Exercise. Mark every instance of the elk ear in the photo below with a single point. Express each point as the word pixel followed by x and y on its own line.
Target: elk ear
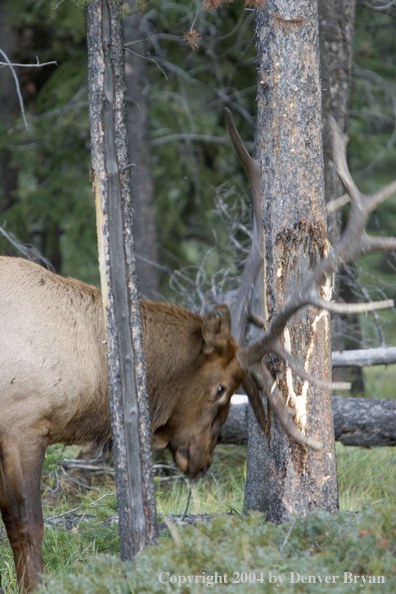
pixel 216 328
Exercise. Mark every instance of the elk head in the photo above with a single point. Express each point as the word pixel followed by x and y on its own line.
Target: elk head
pixel 190 390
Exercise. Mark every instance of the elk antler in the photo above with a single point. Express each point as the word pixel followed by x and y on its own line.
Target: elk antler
pixel 354 243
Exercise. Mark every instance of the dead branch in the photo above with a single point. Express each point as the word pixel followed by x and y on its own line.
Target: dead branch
pixel 29 251
pixel 379 8
pixel 362 357
pixel 17 86
pixel 362 422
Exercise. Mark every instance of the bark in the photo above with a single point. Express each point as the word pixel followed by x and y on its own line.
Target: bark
pixel 137 102
pixel 289 140
pixel 365 422
pixel 362 422
pixel 111 181
pixel 9 110
pixel 257 495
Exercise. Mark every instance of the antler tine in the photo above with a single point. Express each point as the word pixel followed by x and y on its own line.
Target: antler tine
pixel 299 370
pixel 268 385
pixel 249 164
pixel 382 194
pixel 355 241
pixel 253 392
pixel 278 348
pixel 255 352
pixel 375 199
pixel 340 142
pixel 365 203
pixel 255 257
pixel 350 308
pixel 378 244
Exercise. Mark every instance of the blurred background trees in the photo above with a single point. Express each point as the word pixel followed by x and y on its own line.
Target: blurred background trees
pixel 192 63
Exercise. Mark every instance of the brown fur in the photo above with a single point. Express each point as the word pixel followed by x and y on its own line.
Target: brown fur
pixel 53 386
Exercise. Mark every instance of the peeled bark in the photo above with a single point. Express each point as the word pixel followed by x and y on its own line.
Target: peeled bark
pixel 289 140
pixel 126 369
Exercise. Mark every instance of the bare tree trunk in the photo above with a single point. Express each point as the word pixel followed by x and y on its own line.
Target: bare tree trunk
pixel 257 495
pixel 290 152
pixel 336 27
pixel 9 110
pixel 126 370
pixel 137 83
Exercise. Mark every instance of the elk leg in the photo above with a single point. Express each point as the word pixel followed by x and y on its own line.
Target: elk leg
pixel 20 505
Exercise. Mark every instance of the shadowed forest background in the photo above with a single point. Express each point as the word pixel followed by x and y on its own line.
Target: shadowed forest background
pixel 46 198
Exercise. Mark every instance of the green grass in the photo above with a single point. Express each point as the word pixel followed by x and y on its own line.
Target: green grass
pixel 366 477
pixel 221 490
pixel 380 381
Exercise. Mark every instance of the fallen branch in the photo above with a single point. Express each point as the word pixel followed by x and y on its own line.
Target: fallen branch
pixel 363 422
pixel 362 357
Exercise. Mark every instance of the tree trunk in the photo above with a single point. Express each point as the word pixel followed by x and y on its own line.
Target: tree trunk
pixel 137 109
pixel 289 140
pixel 111 182
pixel 361 422
pixel 336 27
pixel 257 494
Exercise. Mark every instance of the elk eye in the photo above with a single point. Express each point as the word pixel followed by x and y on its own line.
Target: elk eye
pixel 220 392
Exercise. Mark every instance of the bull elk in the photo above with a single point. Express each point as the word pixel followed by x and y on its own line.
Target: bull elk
pixel 53 380
pixel 53 387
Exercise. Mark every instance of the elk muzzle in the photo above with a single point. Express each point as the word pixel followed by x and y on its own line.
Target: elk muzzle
pixel 192 459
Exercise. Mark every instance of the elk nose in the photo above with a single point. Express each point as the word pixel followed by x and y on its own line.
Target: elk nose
pixel 203 471
pixel 182 458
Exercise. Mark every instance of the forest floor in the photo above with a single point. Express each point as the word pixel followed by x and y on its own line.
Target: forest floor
pixel 81 531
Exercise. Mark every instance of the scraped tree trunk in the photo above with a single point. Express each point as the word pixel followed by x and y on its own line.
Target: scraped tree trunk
pixel 137 110
pixel 111 182
pixel 289 140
